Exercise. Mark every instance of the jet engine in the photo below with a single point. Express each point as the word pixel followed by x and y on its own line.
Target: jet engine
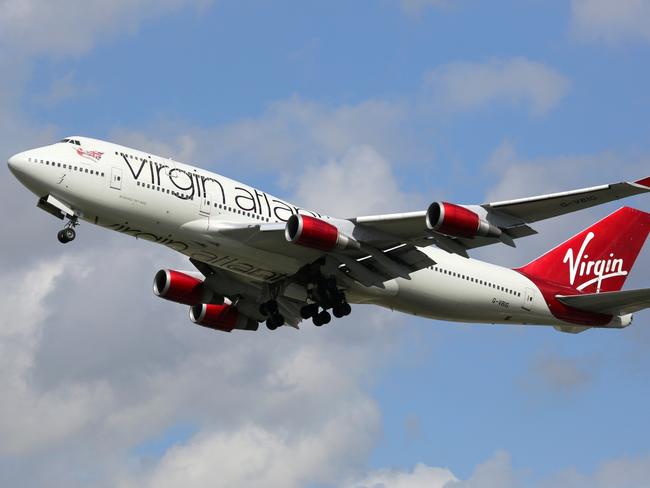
pixel 456 221
pixel 180 287
pixel 221 317
pixel 316 233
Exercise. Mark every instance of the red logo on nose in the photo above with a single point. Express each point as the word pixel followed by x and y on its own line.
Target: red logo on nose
pixel 94 155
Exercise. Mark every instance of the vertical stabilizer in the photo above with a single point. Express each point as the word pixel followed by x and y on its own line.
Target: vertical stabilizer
pixel 599 258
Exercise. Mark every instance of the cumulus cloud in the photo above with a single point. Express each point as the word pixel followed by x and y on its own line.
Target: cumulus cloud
pixel 360 182
pixel 256 456
pixel 30 419
pixel 422 475
pixel 288 135
pixel 497 471
pixel 517 81
pixel 611 21
pixel 72 27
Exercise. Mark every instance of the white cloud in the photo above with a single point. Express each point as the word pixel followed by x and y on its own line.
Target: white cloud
pixel 288 135
pixel 30 419
pixel 611 21
pixel 621 473
pixel 360 182
pixel 516 81
pixel 499 472
pixel 257 456
pixel 421 476
pixel 72 27
pixel 496 472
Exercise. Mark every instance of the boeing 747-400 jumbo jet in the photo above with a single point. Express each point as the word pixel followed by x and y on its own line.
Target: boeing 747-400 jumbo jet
pixel 260 258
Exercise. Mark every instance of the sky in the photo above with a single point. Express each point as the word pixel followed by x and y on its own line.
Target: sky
pixel 347 108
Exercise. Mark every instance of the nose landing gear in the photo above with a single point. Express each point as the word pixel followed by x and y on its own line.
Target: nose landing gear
pixel 68 233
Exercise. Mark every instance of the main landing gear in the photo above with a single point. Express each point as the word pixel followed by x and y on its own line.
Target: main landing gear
pixel 275 318
pixel 68 233
pixel 326 296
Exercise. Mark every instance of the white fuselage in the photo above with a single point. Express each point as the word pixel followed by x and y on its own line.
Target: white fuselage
pixel 164 201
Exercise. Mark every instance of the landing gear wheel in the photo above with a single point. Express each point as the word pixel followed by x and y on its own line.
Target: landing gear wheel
pixel 347 309
pixel 270 324
pixel 275 321
pixel 324 317
pixel 66 235
pixel 309 311
pixel 269 308
pixel 338 311
pixel 278 320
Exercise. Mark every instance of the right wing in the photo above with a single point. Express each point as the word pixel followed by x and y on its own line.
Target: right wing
pixel 542 207
pixel 511 216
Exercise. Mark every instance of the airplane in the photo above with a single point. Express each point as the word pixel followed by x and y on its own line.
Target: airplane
pixel 258 258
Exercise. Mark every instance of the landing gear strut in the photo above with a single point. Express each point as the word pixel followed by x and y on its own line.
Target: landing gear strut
pixel 68 233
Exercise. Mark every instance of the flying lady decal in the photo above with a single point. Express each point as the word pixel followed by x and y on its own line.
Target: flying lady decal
pixel 92 155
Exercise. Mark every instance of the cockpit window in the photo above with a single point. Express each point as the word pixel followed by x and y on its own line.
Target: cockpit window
pixel 71 141
pixel 64 140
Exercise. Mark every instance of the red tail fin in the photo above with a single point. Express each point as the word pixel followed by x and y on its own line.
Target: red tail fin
pixel 598 258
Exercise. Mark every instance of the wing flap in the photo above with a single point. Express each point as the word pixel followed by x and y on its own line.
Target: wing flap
pixel 612 302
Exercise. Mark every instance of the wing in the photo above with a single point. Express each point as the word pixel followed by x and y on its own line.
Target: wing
pixel 543 207
pixel 511 216
pixel 378 258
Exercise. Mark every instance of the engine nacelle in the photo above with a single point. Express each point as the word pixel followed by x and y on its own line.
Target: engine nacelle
pixel 221 317
pixel 316 233
pixel 454 220
pixel 180 288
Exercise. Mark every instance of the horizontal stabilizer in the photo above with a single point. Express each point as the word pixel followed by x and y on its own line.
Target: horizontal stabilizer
pixel 611 303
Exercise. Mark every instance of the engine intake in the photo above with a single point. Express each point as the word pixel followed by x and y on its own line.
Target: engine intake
pixel 179 287
pixel 316 233
pixel 454 220
pixel 225 318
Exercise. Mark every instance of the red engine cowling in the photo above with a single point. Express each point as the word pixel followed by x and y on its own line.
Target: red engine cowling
pixel 221 317
pixel 316 233
pixel 454 220
pixel 180 287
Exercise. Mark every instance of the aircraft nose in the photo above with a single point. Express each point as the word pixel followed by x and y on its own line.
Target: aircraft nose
pixel 14 163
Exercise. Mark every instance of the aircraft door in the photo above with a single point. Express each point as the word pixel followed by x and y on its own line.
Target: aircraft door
pixel 116 178
pixel 528 300
pixel 206 205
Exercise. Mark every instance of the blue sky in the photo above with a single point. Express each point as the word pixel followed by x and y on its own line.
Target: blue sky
pixel 350 107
